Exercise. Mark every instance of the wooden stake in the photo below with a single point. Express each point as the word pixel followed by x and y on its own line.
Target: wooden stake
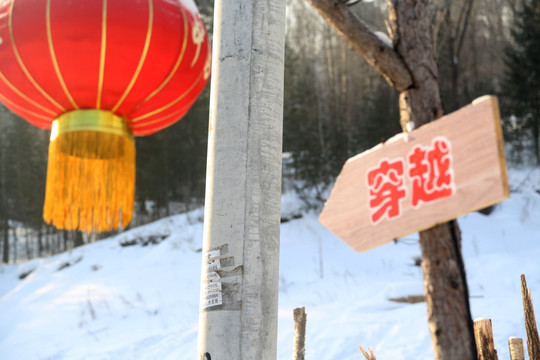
pixel 483 334
pixel 299 348
pixel 516 348
pixel 368 356
pixel 533 341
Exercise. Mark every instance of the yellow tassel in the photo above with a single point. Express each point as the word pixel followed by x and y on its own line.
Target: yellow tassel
pixel 91 172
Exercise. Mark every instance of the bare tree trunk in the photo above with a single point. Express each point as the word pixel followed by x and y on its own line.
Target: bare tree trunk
pixel 79 241
pixel 41 247
pixel 536 135
pixel 27 248
pixel 46 240
pixel 166 185
pixel 3 211
pixel 410 66
pixel 65 239
pixel 5 245
pixel 447 294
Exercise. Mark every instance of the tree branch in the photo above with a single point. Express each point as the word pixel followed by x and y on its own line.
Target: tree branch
pixel 363 41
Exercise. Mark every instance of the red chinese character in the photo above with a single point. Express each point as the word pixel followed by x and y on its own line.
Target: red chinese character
pixel 386 189
pixel 431 173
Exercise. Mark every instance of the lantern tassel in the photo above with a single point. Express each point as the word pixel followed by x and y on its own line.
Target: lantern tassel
pixel 91 172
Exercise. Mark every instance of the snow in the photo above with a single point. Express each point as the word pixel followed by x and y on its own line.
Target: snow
pixel 108 301
pixel 384 38
pixel 190 6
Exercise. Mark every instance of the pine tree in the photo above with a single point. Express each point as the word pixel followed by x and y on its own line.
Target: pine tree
pixel 522 82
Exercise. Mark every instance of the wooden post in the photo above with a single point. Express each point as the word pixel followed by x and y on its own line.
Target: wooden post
pixel 516 348
pixel 367 356
pixel 533 342
pixel 240 262
pixel 483 334
pixel 299 347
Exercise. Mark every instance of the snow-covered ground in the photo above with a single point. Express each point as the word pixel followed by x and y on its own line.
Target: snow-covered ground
pixel 108 301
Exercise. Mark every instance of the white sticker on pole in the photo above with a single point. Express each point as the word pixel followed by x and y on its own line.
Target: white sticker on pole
pixel 212 254
pixel 212 275
pixel 213 299
pixel 214 265
pixel 212 286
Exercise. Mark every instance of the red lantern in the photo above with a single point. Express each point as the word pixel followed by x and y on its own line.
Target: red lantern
pixel 98 73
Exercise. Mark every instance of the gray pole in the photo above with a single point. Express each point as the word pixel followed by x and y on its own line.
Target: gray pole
pixel 240 267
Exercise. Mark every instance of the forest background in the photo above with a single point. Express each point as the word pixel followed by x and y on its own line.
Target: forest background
pixel 336 106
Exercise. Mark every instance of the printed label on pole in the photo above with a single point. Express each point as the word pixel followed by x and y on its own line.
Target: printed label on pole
pixel 212 275
pixel 212 254
pixel 212 286
pixel 213 299
pixel 214 265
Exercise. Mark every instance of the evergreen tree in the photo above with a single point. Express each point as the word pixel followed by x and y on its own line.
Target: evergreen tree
pixel 304 132
pixel 4 214
pixel 171 164
pixel 522 82
pixel 335 105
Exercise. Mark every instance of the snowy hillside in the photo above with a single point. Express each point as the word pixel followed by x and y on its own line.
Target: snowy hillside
pixel 121 299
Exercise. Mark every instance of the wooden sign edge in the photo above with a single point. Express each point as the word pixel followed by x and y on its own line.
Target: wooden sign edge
pixel 500 142
pixel 502 166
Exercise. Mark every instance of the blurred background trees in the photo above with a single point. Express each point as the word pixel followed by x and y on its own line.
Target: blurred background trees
pixel 522 83
pixel 336 106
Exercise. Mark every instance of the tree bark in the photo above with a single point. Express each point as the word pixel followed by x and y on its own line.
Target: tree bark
pixel 445 283
pixel 361 40
pixel 4 225
pixel 5 242
pixel 447 294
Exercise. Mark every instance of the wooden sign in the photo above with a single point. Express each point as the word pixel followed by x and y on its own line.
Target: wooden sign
pixel 413 181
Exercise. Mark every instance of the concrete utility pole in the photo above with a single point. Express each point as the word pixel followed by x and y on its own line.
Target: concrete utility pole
pixel 240 267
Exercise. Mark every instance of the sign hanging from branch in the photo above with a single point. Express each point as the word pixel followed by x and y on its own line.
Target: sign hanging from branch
pixel 414 181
